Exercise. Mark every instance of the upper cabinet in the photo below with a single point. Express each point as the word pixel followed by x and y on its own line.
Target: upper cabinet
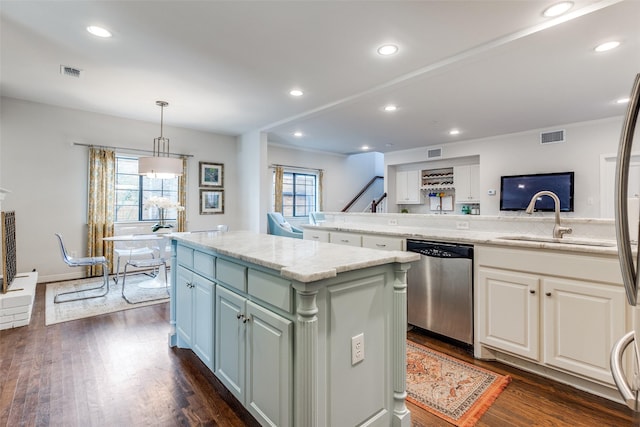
pixel 408 187
pixel 466 180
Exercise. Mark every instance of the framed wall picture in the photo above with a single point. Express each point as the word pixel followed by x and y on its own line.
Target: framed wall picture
pixel 211 201
pixel 211 174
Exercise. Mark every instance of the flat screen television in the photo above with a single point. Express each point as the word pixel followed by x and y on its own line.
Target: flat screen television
pixel 516 191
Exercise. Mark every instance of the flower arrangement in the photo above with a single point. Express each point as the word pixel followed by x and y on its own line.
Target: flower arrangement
pixel 162 204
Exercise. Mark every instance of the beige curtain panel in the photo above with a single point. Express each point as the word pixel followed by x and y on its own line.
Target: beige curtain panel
pixel 182 197
pixel 279 171
pixel 102 183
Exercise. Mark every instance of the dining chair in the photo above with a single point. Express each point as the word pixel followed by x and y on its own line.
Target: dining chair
pixel 83 262
pixel 130 253
pixel 154 263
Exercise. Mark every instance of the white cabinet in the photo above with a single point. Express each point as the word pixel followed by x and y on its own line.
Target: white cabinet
pixel 508 311
pixel 195 313
pixel 466 180
pixel 527 306
pixel 317 235
pixel 254 357
pixel 408 187
pixel 349 239
pixel 582 321
pixel 383 242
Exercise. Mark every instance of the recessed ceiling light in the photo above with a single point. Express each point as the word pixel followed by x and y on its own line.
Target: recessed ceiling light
pixel 298 134
pixel 365 147
pixel 390 107
pixel 454 132
pixel 622 101
pixel 557 9
pixel 99 31
pixel 296 92
pixel 607 46
pixel 387 49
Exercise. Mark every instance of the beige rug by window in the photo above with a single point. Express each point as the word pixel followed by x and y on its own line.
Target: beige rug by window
pixel 456 391
pixel 137 290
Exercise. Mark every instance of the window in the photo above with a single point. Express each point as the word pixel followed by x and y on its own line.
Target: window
pixel 132 190
pixel 299 191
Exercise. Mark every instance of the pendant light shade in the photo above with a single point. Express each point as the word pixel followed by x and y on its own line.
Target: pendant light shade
pixel 161 165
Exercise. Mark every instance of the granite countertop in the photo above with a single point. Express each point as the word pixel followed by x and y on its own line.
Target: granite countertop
pixel 568 243
pixel 302 260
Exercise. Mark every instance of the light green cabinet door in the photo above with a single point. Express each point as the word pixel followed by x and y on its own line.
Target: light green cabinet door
pixel 269 366
pixel 184 307
pixel 203 317
pixel 230 341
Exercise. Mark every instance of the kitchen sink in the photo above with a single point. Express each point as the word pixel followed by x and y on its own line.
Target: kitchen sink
pixel 564 240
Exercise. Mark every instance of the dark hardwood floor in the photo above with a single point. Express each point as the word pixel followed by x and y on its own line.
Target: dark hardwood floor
pixel 117 370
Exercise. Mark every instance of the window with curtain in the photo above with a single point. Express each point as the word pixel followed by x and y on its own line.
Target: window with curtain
pixel 299 193
pixel 132 190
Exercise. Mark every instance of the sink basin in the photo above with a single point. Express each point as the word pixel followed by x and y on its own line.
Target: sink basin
pixel 564 240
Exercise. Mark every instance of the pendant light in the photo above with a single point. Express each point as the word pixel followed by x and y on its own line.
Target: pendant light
pixel 161 165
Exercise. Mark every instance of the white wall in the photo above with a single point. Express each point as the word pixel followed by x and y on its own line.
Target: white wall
pixel 48 175
pixel 522 153
pixel 344 176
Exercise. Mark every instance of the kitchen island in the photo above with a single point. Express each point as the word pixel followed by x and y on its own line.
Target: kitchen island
pixel 302 333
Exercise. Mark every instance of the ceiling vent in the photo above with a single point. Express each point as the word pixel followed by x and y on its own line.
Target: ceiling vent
pixel 70 71
pixel 552 137
pixel 434 153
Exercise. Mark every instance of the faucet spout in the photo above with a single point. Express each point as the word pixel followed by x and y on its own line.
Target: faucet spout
pixel 558 230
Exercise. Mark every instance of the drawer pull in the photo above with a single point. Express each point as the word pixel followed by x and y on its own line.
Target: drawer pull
pixel 548 294
pixel 532 291
pixel 381 245
pixel 345 240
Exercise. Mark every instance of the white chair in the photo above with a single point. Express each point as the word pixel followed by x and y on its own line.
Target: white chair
pixel 130 253
pixel 83 262
pixel 154 263
pixel 130 250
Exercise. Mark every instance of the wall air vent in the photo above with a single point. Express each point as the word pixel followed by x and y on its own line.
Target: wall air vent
pixel 552 137
pixel 70 71
pixel 434 153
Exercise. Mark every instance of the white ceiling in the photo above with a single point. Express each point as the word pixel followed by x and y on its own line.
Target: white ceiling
pixel 485 67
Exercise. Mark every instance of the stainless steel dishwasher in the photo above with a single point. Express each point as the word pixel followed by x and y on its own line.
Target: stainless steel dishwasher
pixel 440 289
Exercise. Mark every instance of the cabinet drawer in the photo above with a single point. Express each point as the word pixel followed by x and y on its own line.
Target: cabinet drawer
pixel 204 264
pixel 231 274
pixel 185 256
pixel 348 239
pixel 384 243
pixel 270 289
pixel 317 235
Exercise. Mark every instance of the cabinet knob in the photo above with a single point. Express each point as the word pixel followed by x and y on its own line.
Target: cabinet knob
pixel 239 315
pixel 532 291
pixel 548 294
pixel 246 319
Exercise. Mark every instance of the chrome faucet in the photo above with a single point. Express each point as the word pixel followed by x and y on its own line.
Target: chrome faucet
pixel 558 231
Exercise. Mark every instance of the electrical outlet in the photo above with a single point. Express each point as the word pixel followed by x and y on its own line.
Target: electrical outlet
pixel 462 225
pixel 357 349
pixel 393 222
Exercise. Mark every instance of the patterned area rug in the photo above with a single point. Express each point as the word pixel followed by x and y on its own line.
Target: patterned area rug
pixel 139 287
pixel 456 391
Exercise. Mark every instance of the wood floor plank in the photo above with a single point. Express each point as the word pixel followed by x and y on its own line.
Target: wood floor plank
pixel 117 369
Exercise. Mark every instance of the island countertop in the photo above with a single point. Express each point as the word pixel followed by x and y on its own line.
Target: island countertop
pixel 302 260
